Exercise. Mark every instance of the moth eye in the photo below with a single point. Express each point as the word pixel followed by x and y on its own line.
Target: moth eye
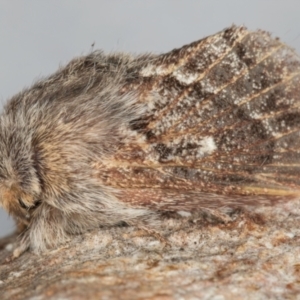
pixel 22 204
pixel 37 203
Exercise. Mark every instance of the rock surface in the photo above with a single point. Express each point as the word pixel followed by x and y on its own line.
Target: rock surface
pixel 239 254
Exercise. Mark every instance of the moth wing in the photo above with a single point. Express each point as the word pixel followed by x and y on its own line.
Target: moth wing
pixel 221 125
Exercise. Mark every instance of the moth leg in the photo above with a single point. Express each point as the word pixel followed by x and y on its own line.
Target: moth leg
pixel 22 246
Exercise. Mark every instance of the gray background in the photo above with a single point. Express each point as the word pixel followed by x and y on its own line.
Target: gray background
pixel 37 36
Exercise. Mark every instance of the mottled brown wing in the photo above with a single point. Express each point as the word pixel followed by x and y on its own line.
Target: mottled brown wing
pixel 222 125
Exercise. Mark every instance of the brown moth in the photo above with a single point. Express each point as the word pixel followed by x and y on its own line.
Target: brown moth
pixel 121 138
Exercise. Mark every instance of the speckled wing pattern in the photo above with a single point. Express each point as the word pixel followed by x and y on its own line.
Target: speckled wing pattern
pixel 221 126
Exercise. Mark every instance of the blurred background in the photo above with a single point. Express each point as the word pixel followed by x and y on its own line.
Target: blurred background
pixel 37 36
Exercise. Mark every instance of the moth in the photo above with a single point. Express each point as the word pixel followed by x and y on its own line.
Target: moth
pixel 121 138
